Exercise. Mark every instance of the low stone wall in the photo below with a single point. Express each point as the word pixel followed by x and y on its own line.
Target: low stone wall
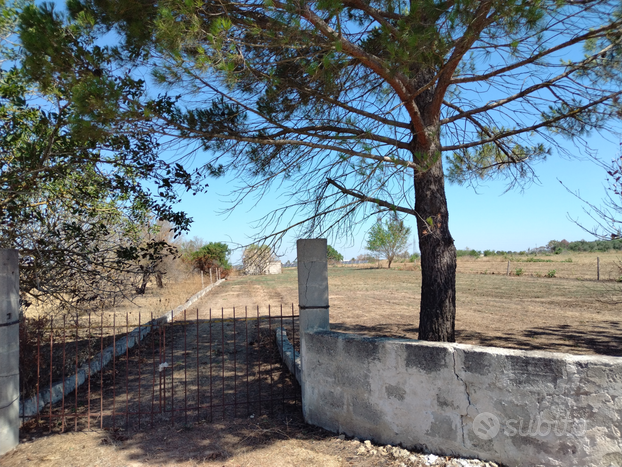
pixel 290 357
pixel 520 408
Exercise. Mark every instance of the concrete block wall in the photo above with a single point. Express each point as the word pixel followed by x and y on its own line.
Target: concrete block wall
pixel 519 408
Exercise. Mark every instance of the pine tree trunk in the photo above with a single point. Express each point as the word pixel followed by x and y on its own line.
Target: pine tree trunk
pixel 158 278
pixel 438 253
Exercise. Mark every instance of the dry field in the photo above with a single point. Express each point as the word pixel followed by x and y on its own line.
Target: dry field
pixel 525 312
pixel 567 265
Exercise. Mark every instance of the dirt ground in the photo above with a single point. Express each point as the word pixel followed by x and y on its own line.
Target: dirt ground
pixel 262 442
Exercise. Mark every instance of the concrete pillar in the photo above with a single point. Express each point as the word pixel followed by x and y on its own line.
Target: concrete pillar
pixel 9 350
pixel 312 299
pixel 313 285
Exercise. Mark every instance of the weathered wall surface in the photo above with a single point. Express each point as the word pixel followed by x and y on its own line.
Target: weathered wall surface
pixel 521 408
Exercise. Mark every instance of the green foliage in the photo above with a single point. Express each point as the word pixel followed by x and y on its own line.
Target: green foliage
pixel 533 259
pixel 414 257
pixel 468 252
pixel 390 238
pixel 551 273
pixel 519 272
pixel 585 246
pixel 212 255
pixel 78 207
pixel 332 254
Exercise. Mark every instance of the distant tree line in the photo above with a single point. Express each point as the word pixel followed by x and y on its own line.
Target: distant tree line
pixel 597 245
pixel 554 246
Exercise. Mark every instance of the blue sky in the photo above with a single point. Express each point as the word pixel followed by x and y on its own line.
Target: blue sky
pixel 486 218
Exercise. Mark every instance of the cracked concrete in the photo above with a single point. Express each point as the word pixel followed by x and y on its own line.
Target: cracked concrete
pixel 513 407
pixel 468 396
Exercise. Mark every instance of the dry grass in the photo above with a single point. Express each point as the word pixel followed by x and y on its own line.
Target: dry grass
pixel 154 302
pixel 567 265
pixel 527 312
pixel 262 442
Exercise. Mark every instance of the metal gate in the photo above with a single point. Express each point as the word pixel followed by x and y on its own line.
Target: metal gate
pixel 219 365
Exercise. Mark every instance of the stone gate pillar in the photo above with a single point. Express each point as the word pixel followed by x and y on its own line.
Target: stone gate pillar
pixel 313 285
pixel 9 350
pixel 312 297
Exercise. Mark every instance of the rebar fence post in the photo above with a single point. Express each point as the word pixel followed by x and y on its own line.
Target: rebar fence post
pixel 9 350
pixel 312 294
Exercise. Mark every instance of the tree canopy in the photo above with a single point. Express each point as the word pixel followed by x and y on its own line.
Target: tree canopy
pixel 389 238
pixel 78 205
pixel 332 254
pixel 212 255
pixel 358 107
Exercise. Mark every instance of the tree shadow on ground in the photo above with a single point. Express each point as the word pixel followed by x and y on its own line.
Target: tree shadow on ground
pixel 604 338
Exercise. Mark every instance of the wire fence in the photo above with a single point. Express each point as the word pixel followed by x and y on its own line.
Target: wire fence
pixel 81 372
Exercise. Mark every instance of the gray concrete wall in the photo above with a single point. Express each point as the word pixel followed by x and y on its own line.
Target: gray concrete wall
pixel 520 408
pixel 9 350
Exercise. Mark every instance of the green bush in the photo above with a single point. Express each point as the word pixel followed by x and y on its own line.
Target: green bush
pixel 468 252
pixel 519 272
pixel 414 257
pixel 212 255
pixel 551 273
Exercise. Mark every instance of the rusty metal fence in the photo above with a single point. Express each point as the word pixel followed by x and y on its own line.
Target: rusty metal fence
pixel 213 366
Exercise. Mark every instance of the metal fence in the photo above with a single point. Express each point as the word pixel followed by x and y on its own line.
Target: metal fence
pixel 202 366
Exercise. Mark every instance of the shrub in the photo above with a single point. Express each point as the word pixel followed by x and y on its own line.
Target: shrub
pixel 414 257
pixel 519 272
pixel 551 273
pixel 468 252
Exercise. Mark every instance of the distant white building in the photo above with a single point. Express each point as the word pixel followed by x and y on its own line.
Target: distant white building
pixel 272 267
